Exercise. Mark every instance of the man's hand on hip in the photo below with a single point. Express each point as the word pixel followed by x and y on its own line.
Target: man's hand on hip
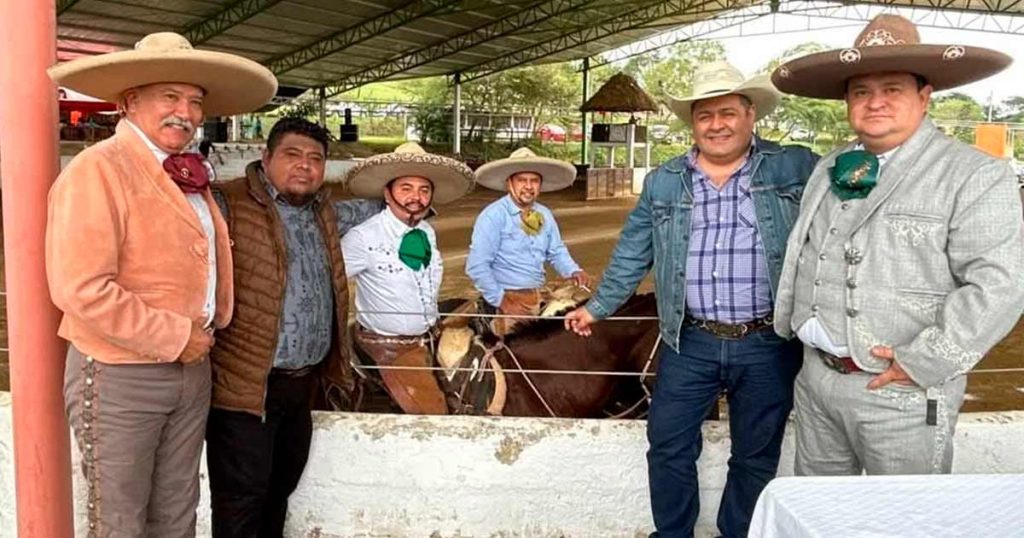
pixel 200 340
pixel 578 321
pixel 893 374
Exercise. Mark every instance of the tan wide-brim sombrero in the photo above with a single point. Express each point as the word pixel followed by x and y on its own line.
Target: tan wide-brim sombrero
pixel 232 84
pixel 555 175
pixel 716 79
pixel 452 179
pixel 888 44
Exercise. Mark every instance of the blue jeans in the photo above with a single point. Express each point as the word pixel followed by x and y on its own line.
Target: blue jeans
pixel 757 373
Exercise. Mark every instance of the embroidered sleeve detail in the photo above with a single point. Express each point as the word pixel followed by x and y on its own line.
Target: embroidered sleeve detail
pixel 912 232
pixel 920 304
pixel 949 351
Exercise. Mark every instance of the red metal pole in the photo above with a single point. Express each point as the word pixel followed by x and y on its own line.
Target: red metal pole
pixel 28 165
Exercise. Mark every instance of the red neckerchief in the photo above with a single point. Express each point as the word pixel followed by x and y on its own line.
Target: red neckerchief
pixel 188 171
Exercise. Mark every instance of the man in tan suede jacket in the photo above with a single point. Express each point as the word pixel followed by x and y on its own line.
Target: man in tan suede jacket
pixel 139 260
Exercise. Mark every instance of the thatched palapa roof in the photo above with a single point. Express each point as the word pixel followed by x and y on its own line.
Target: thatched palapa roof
pixel 620 94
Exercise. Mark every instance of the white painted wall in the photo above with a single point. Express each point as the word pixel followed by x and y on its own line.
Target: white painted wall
pixel 456 477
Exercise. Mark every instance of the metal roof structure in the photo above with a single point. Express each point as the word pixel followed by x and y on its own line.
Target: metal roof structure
pixel 342 44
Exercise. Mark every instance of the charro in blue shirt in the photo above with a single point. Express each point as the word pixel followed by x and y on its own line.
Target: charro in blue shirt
pixel 503 257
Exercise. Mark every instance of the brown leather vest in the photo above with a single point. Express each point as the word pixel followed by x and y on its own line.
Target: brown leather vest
pixel 244 351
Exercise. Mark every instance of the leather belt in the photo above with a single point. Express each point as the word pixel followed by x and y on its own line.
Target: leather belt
pixel 293 372
pixel 728 331
pixel 843 365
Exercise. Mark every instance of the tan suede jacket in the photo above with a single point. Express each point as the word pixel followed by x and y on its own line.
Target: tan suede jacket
pixel 126 256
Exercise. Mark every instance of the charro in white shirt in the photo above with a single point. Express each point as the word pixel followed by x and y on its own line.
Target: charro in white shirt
pixel 387 290
pixel 813 332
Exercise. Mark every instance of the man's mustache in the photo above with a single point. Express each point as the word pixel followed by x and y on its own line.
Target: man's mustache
pixel 178 122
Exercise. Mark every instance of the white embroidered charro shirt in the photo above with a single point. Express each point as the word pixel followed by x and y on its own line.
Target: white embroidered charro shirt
pixel 391 298
pixel 813 332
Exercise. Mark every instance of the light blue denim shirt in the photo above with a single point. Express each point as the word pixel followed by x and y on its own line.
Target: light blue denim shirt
pixel 657 232
pixel 502 257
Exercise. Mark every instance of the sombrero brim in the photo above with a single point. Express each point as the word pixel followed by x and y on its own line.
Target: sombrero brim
pixel 823 75
pixel 452 180
pixel 233 84
pixel 556 175
pixel 758 89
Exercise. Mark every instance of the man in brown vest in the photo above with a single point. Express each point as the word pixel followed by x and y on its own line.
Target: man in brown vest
pixel 288 339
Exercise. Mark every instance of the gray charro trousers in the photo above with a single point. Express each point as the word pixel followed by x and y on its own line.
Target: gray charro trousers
pixel 139 428
pixel 842 428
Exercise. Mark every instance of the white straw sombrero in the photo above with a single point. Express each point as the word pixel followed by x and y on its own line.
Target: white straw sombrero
pixel 716 79
pixel 233 84
pixel 452 179
pixel 555 174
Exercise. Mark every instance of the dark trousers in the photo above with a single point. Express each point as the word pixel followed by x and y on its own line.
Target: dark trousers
pixel 757 373
pixel 255 464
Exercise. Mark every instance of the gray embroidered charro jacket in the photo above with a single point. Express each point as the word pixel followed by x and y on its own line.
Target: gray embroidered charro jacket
pixel 931 262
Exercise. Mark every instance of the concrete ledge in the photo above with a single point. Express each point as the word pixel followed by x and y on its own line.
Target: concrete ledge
pixel 455 477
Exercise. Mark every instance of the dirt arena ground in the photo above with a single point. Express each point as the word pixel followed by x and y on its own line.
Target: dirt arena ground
pixel 591 229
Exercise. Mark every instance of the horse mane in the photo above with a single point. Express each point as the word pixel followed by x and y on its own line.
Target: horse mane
pixel 542 328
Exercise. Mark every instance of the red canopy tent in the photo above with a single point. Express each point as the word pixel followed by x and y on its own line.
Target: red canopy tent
pixel 71 100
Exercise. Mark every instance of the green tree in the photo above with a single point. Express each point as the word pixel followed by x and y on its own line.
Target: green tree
pixel 1011 110
pixel 956 111
pixel 822 123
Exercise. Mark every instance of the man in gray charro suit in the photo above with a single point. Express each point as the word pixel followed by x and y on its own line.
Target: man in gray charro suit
pixel 905 265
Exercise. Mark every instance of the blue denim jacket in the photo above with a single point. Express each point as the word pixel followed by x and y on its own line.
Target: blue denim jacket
pixel 657 231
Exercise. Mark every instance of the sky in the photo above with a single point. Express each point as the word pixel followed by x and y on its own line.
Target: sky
pixel 751 51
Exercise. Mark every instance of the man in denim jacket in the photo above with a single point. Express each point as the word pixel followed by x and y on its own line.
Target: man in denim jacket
pixel 713 226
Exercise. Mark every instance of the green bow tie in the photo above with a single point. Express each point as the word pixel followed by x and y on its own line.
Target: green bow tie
pixel 854 175
pixel 531 221
pixel 415 249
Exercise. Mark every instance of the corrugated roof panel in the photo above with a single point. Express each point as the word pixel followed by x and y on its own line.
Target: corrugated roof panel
pixel 281 32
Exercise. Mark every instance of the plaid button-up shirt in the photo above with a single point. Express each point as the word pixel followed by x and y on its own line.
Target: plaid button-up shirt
pixel 726 272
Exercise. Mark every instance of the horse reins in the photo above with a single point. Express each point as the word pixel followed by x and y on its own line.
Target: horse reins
pixel 643 374
pixel 501 345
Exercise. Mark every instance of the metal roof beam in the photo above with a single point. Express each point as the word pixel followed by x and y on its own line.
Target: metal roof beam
pixel 987 8
pixel 64 5
pixel 232 14
pixel 362 31
pixel 530 15
pixel 623 22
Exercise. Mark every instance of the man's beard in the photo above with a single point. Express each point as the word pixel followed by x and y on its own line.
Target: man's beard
pixel 520 199
pixel 415 215
pixel 298 199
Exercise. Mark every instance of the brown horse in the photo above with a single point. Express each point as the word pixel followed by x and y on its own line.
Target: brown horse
pixel 544 344
pixel 614 346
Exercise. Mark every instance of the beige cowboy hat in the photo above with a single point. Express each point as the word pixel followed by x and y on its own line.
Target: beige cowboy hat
pixel 555 174
pixel 889 43
pixel 716 79
pixel 452 180
pixel 232 84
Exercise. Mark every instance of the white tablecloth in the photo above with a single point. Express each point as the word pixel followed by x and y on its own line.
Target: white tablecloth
pixel 936 506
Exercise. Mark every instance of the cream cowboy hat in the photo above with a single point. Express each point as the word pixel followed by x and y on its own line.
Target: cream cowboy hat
pixel 555 174
pixel 452 180
pixel 233 84
pixel 889 43
pixel 716 79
